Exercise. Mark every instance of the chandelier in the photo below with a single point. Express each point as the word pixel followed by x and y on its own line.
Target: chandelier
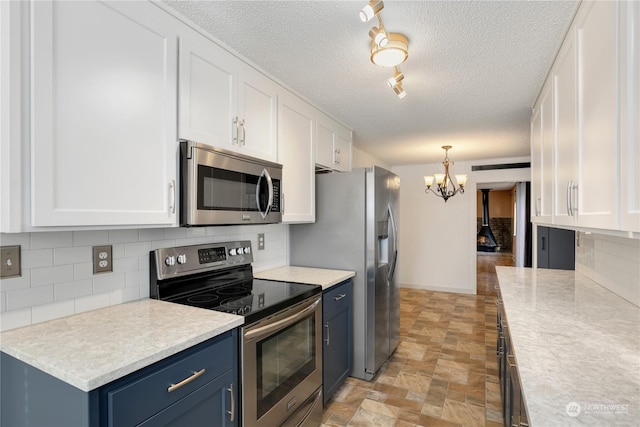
pixel 444 179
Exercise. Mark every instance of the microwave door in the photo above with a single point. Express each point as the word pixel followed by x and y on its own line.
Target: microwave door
pixel 264 194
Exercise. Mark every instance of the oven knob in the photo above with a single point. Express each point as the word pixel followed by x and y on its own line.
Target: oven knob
pixel 240 251
pixel 170 260
pixel 182 259
pixel 232 252
pixel 247 250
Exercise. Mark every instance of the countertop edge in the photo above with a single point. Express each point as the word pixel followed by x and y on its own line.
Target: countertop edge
pixel 326 278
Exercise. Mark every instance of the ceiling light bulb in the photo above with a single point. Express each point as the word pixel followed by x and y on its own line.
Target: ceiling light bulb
pixel 378 36
pixel 372 9
pixel 394 53
pixel 399 90
pixel 397 78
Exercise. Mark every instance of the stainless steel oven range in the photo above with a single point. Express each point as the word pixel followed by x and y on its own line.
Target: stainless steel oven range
pixel 280 345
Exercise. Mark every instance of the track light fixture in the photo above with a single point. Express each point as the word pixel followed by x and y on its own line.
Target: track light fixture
pixel 372 9
pixel 387 49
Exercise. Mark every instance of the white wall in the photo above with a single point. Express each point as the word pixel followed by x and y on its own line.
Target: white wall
pixel 613 262
pixel 438 239
pixel 57 273
pixel 362 159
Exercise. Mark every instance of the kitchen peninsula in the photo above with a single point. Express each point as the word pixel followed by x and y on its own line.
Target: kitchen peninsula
pixel 577 347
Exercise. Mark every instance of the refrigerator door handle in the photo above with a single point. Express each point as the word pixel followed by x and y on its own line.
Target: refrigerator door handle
pixel 392 270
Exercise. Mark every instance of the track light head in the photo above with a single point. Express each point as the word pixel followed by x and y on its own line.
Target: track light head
pixel 399 90
pixel 379 36
pixel 396 79
pixel 372 9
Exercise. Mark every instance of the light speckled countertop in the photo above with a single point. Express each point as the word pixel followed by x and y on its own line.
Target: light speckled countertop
pixel 91 349
pixel 314 276
pixel 575 343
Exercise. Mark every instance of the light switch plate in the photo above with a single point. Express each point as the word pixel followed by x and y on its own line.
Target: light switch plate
pixel 102 259
pixel 261 241
pixel 10 265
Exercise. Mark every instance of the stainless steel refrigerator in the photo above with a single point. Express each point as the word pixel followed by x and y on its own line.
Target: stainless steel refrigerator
pixel 356 229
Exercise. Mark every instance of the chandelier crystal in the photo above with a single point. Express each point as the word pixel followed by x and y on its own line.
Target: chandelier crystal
pixel 444 179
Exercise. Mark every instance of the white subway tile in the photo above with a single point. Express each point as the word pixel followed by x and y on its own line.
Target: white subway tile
pixel 143 262
pixel 42 313
pixel 70 290
pixel 83 270
pixel 49 240
pixel 48 275
pixel 124 265
pixel 136 278
pixel 15 319
pixel 16 239
pixel 37 258
pixel 3 302
pixel 91 302
pixel 120 296
pixel 136 249
pixel 123 236
pixel 150 234
pixel 29 297
pixel 157 244
pixel 74 255
pixel 144 291
pixel 107 283
pixel 117 250
pixel 175 233
pixel 90 238
pixel 196 232
pixel 15 283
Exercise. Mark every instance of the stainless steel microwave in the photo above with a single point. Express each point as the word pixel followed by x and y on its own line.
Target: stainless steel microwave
pixel 220 187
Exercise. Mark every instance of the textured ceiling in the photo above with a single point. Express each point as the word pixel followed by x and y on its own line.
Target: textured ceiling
pixel 474 67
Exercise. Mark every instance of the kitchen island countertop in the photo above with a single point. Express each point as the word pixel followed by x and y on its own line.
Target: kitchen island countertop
pixel 313 276
pixel 577 347
pixel 91 349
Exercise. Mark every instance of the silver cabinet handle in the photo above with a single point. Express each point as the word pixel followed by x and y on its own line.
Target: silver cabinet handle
pixel 232 412
pixel 172 192
pixel 266 329
pixel 243 141
pixel 339 297
pixel 326 340
pixel 569 199
pixel 174 387
pixel 236 122
pixel 538 206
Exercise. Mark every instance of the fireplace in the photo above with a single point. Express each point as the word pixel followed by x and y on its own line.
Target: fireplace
pixel 486 241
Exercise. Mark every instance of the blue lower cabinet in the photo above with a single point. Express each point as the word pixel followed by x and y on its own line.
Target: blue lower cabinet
pixel 196 387
pixel 337 336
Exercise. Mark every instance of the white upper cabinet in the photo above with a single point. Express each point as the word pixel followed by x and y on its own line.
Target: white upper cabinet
pixel 103 114
pixel 225 102
pixel 564 78
pixel 333 144
pixel 596 198
pixel 542 156
pixel 630 116
pixel 296 153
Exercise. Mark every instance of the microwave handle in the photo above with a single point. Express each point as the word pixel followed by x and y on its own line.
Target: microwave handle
pixel 266 175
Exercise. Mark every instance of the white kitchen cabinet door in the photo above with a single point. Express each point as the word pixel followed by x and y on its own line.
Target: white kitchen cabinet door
pixel 542 140
pixel 224 102
pixel 103 110
pixel 333 144
pixel 564 74
pixel 596 196
pixel 630 117
pixel 208 92
pixel 258 110
pixel 296 153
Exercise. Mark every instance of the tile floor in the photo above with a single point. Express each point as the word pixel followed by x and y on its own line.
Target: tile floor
pixel 444 370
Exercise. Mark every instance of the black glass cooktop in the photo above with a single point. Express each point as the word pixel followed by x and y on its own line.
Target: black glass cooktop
pixel 254 298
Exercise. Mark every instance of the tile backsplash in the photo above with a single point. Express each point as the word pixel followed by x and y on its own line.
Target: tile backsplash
pixel 613 262
pixel 57 271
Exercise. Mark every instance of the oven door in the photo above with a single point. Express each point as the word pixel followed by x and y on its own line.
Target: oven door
pixel 226 188
pixel 282 366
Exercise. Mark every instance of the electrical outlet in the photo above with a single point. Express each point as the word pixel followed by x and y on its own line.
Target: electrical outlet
pixel 102 259
pixel 261 241
pixel 10 261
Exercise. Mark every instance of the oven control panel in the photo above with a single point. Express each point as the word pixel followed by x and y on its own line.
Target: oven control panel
pixel 184 260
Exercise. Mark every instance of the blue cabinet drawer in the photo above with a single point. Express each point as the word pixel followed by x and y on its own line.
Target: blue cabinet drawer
pixel 337 296
pixel 132 402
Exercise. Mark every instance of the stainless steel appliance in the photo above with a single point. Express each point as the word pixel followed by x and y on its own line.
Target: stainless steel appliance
pixel 280 345
pixel 356 229
pixel 220 187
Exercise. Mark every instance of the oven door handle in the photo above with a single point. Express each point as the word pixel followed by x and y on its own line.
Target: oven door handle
pixel 283 323
pixel 265 175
